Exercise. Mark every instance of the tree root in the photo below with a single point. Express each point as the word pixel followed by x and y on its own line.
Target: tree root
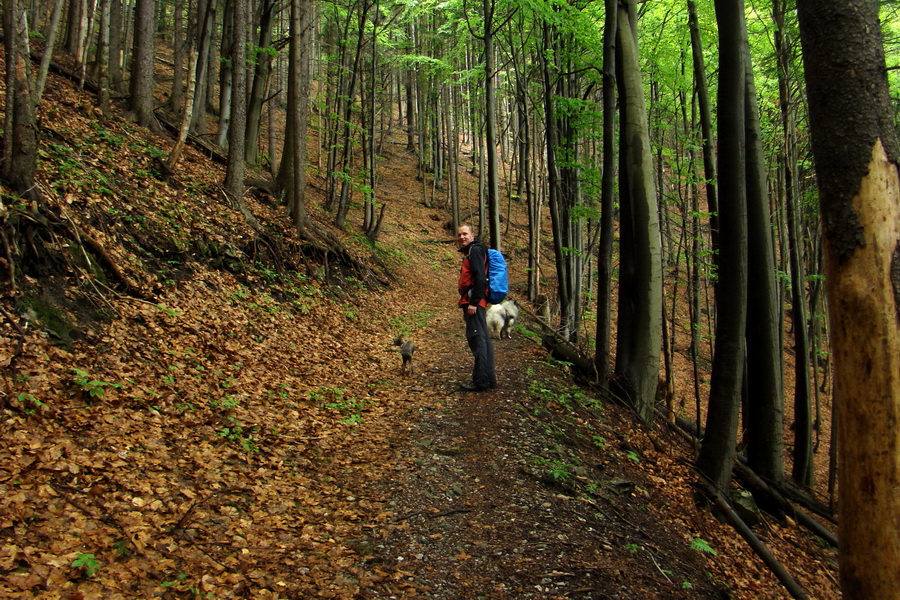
pixel 790 584
pixel 28 224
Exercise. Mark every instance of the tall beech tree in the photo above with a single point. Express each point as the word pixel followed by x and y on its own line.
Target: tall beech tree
pixel 143 57
pixel 491 26
pixel 803 455
pixel 718 449
pixel 20 140
pixel 639 334
pixel 856 156
pixel 292 174
pixel 607 200
pixel 764 399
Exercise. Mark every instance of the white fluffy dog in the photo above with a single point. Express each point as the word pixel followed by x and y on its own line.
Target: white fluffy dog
pixel 501 318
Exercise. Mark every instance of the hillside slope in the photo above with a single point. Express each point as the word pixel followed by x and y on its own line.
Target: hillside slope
pixel 204 412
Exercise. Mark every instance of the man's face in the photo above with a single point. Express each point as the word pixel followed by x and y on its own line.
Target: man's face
pixel 464 236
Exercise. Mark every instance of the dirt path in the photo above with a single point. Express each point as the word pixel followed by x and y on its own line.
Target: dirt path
pixel 520 492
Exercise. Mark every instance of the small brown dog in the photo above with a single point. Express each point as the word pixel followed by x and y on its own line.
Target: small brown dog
pixel 406 353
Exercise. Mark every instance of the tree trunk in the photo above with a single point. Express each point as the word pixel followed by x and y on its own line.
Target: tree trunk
pixel 103 57
pixel 261 73
pixel 141 89
pixel 701 87
pixel 226 73
pixel 490 103
pixel 298 103
pixel 116 45
pixel 602 361
pixel 205 24
pixel 179 44
pixel 765 376
pixel 49 44
pixel 185 111
pixel 21 140
pixel 234 175
pixel 640 288
pixel 717 452
pixel 803 447
pixel 856 150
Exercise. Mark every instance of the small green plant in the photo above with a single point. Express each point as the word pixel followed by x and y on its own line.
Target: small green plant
pixel 354 419
pixel 559 471
pixel 633 456
pixel 236 433
pixel 94 388
pixel 227 403
pixel 121 548
pixel 29 403
pixel 87 562
pixel 633 547
pixel 169 311
pixel 701 545
pixel 180 584
pixel 687 585
pixel 599 440
pixel 267 273
pixel 334 399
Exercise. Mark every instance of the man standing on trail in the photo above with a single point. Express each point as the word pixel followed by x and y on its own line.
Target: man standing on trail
pixel 473 291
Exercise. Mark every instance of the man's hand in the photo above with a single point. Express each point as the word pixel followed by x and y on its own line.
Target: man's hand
pixel 471 309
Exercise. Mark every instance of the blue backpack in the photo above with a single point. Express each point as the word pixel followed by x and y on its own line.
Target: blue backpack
pixel 498 282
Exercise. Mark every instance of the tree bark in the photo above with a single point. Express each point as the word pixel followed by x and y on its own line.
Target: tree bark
pixel 141 89
pixel 640 289
pixel 803 447
pixel 706 124
pixel 765 376
pixel 234 174
pixel 20 140
pixel 856 149
pixel 261 74
pixel 718 449
pixel 602 360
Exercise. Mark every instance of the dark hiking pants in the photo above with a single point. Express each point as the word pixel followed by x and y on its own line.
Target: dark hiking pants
pixel 482 348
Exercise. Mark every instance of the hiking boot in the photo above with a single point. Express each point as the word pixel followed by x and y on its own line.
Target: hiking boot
pixel 469 386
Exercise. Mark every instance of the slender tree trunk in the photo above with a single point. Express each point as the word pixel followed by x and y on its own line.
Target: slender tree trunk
pixel 103 57
pixel 226 73
pixel 205 24
pixel 49 44
pixel 179 44
pixel 803 455
pixel 116 45
pixel 343 204
pixel 640 289
pixel 603 358
pixel 557 215
pixel 490 102
pixel 20 142
pixel 185 110
pixel 261 74
pixel 298 105
pixel 765 376
pixel 717 452
pixel 234 175
pixel 701 87
pixel 141 90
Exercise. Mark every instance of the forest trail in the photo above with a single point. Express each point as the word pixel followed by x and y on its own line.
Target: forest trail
pixel 485 489
pixel 247 434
